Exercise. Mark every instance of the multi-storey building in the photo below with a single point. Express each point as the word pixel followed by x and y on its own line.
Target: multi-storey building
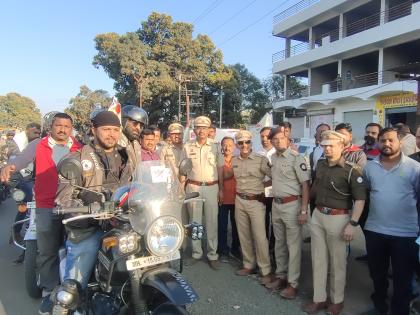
pixel 350 54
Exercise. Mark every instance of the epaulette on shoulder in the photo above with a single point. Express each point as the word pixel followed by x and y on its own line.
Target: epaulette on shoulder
pixel 293 152
pixel 353 165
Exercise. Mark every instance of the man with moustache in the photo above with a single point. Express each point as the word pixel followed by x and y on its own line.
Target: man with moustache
pixel 249 170
pixel 106 166
pixel 46 153
pixel 134 119
pixel 290 177
pixel 392 225
pixel 171 153
pixel 206 177
pixel 148 146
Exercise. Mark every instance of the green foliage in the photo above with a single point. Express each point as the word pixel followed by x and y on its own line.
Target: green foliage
pixel 17 111
pixel 148 65
pixel 82 104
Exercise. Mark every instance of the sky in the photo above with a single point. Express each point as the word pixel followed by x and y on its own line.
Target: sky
pixel 48 46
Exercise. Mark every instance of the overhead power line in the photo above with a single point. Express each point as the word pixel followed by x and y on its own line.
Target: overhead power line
pixel 207 11
pixel 232 17
pixel 253 23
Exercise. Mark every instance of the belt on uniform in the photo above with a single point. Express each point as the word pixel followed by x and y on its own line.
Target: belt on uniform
pixel 197 183
pixel 331 211
pixel 258 197
pixel 287 199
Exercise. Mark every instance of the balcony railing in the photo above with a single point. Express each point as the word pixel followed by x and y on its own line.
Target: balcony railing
pixel 294 93
pixel 393 13
pixel 348 82
pixel 300 6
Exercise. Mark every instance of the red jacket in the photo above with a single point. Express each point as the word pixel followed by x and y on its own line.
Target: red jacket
pixel 46 175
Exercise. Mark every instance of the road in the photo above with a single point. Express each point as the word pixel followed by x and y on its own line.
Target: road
pixel 221 292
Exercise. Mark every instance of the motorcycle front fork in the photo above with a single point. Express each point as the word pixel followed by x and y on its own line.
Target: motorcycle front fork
pixel 137 297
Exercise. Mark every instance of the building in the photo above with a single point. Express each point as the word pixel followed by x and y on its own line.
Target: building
pixel 348 52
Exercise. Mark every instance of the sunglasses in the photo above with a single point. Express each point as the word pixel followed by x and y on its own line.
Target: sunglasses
pixel 244 142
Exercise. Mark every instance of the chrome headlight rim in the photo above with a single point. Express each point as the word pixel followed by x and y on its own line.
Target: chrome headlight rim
pixel 180 236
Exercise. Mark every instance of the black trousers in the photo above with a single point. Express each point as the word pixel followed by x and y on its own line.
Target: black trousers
pixel 226 211
pixel 268 223
pixel 402 253
pixel 49 233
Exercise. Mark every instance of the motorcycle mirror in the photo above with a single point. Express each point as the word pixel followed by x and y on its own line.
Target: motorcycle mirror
pixel 185 167
pixel 70 168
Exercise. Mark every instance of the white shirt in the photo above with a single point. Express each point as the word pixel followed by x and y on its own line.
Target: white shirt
pixel 268 154
pixel 318 151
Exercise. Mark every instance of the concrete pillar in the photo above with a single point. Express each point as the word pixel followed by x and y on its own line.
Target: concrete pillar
pixel 287 47
pixel 340 66
pixel 309 80
pixel 341 24
pixel 311 39
pixel 286 87
pixel 381 66
pixel 384 11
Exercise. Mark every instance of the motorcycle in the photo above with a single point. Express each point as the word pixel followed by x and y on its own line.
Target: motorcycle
pixel 133 273
pixel 26 227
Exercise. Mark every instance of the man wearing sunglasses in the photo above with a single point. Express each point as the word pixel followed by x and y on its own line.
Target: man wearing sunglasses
pixel 206 177
pixel 249 170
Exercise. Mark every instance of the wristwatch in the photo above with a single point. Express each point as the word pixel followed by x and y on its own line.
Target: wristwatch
pixel 354 223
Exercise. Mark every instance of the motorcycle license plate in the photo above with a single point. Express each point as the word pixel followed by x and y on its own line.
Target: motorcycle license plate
pixel 143 262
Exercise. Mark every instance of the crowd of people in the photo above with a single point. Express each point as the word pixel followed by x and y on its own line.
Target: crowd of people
pixel 267 196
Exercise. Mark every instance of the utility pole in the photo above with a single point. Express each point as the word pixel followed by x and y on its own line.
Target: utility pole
pixel 179 96
pixel 221 107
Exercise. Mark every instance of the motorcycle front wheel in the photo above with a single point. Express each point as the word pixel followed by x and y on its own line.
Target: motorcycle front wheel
pixel 170 309
pixel 31 274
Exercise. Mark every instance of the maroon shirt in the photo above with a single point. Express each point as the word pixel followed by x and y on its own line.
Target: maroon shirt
pixel 149 156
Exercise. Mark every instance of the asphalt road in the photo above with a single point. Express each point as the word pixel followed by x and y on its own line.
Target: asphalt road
pixel 221 292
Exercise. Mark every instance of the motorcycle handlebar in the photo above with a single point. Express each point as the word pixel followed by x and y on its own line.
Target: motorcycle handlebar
pixel 85 209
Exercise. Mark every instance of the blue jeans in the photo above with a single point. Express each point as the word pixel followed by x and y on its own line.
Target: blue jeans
pixel 81 258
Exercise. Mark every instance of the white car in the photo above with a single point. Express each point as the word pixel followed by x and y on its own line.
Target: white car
pixel 305 149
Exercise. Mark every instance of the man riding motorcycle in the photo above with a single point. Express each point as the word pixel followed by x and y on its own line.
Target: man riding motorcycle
pixel 134 119
pixel 106 166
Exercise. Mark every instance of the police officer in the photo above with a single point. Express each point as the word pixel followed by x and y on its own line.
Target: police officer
pixel 290 178
pixel 171 153
pixel 134 119
pixel 206 174
pixel 340 197
pixel 249 170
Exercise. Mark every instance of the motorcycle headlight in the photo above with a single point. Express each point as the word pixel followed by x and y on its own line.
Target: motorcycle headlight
pixel 18 195
pixel 164 236
pixel 128 243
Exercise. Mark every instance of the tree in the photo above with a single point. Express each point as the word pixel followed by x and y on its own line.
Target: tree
pixel 148 65
pixel 83 103
pixel 17 111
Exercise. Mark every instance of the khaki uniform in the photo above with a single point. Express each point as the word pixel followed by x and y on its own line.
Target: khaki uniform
pixel 250 214
pixel 336 187
pixel 205 161
pixel 289 171
pixel 171 156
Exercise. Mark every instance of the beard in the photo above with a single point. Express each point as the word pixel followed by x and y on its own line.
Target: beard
pixel 369 140
pixel 388 151
pixel 105 145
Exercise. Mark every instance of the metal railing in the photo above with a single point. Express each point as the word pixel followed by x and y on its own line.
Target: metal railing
pixel 300 6
pixel 374 20
pixel 294 93
pixel 349 82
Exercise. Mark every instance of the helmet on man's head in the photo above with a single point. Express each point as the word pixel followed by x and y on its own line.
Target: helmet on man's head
pixel 134 113
pixel 47 121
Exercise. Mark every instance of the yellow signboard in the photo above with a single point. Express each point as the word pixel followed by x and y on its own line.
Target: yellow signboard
pixel 384 102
